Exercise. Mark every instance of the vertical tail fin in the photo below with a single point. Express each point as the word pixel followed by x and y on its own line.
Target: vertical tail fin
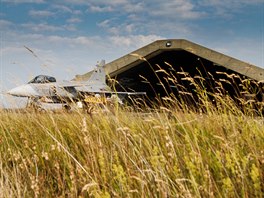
pixel 98 75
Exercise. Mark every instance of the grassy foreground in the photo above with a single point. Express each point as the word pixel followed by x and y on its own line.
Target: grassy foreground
pixel 160 154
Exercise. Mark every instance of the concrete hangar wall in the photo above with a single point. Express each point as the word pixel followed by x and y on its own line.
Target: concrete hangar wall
pixel 173 63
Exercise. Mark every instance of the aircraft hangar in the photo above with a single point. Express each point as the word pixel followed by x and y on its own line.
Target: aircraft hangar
pixel 167 67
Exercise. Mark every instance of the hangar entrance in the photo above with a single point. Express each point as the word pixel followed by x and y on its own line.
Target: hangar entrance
pixel 177 73
pixel 184 70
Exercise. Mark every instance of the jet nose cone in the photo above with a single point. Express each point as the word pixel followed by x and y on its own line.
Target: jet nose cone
pixel 22 91
pixel 13 91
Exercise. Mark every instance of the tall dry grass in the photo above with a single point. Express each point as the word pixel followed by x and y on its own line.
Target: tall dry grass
pixel 166 153
pixel 214 150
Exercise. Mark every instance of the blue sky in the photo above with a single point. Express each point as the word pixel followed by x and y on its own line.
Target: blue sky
pixel 70 36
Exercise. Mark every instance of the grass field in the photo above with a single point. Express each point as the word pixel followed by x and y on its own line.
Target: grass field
pixel 165 153
pixel 212 149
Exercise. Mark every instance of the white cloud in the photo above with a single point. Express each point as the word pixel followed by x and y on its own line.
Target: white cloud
pixel 101 8
pixel 40 13
pixel 76 41
pixel 122 6
pixel 74 20
pixel 183 9
pixel 134 7
pixel 65 9
pixel 129 28
pixel 85 2
pixel 51 42
pixel 76 2
pixel 77 12
pixel 23 1
pixel 148 26
pixel 107 2
pixel 82 40
pixel 55 41
pixel 62 8
pixel 228 3
pixel 104 24
pixel 133 41
pixel 5 24
pixel 118 5
pixel 120 29
pixel 155 17
pixel 226 8
pixel 48 28
pixel 42 27
pixel 11 49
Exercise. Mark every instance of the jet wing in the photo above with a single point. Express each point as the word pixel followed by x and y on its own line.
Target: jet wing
pixel 66 84
pixel 118 93
pixel 82 86
pixel 124 93
pixel 90 88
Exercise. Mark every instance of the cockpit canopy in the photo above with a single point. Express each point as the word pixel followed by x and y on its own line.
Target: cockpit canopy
pixel 43 79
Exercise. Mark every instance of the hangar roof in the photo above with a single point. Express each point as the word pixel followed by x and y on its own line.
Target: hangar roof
pixel 149 51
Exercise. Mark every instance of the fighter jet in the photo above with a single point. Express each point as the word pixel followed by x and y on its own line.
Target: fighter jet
pixel 45 89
